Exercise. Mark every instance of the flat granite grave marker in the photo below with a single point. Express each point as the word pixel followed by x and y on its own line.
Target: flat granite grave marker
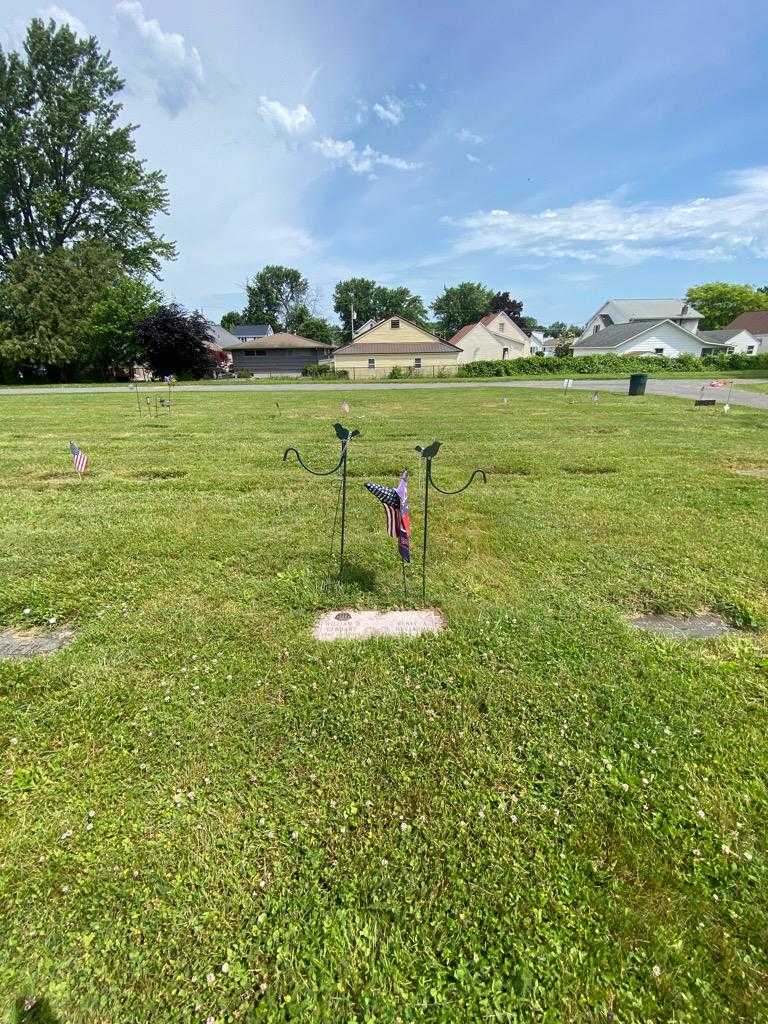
pixel 17 643
pixel 361 625
pixel 685 627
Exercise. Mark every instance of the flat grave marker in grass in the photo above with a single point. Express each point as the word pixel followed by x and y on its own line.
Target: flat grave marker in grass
pixel 761 472
pixel 348 624
pixel 685 627
pixel 29 643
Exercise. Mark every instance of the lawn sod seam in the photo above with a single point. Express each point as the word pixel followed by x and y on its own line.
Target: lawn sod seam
pixel 537 815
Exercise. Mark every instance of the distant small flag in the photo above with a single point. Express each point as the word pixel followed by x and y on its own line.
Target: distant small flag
pixel 345 407
pixel 720 383
pixel 79 459
pixel 395 502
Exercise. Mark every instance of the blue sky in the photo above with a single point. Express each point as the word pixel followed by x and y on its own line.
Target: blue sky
pixel 565 152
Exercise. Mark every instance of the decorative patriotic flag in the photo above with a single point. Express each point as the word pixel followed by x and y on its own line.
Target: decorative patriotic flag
pixel 79 459
pixel 720 383
pixel 395 502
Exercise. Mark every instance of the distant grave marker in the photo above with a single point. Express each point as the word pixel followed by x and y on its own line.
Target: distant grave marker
pixel 685 627
pixel 30 643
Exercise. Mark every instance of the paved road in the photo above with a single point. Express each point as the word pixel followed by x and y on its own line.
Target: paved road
pixel 685 388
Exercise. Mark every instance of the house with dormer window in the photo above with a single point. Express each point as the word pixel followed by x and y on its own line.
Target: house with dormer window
pixel 632 311
pixel 396 342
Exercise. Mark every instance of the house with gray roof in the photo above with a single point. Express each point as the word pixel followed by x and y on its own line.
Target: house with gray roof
pixel 243 331
pixel 628 311
pixel 647 338
pixel 657 327
pixel 272 354
pixel 741 341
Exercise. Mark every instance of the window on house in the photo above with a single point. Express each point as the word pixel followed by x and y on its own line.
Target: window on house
pixel 505 353
pixel 750 349
pixel 501 327
pixel 659 351
pixel 394 324
pixel 596 328
pixel 417 362
pixel 371 364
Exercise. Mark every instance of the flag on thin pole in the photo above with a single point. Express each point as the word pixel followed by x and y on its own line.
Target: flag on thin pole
pixel 395 502
pixel 79 459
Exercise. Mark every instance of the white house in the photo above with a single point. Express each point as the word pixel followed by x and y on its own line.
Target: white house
pixel 740 341
pixel 756 322
pixel 627 311
pixel 640 338
pixel 367 326
pixel 495 336
pixel 657 327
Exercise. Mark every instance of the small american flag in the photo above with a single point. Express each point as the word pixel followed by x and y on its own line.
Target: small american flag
pixel 395 502
pixel 79 459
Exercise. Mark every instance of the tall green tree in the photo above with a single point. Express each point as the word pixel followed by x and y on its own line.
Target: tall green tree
pixel 68 171
pixel 71 312
pixel 375 301
pixel 720 302
pixel 461 304
pixel 502 302
pixel 111 326
pixel 231 319
pixel 318 329
pixel 560 329
pixel 277 296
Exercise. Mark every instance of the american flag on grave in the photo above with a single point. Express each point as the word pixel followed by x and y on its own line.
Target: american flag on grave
pixel 79 458
pixel 395 502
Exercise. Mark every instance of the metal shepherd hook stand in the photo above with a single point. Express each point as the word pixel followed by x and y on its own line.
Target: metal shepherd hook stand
pixel 345 436
pixel 428 454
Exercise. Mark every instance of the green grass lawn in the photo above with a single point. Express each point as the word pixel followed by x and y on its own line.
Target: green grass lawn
pixel 760 388
pixel 540 815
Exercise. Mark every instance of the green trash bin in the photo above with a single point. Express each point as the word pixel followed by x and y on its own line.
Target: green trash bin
pixel 637 383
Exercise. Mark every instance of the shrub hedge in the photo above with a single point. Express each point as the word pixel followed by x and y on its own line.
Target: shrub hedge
pixel 324 371
pixel 567 366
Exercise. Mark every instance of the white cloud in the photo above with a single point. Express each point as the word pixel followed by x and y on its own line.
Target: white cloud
pixel 612 231
pixel 63 17
pixel 284 120
pixel 167 59
pixel 361 114
pixel 391 110
pixel 311 80
pixel 359 161
pixel 471 138
pixel 472 159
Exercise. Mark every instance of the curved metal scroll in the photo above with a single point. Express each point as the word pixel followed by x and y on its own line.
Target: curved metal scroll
pixel 345 436
pixel 477 472
pixel 428 454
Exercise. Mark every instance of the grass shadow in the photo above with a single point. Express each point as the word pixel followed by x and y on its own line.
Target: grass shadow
pixel 33 1011
pixel 359 576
